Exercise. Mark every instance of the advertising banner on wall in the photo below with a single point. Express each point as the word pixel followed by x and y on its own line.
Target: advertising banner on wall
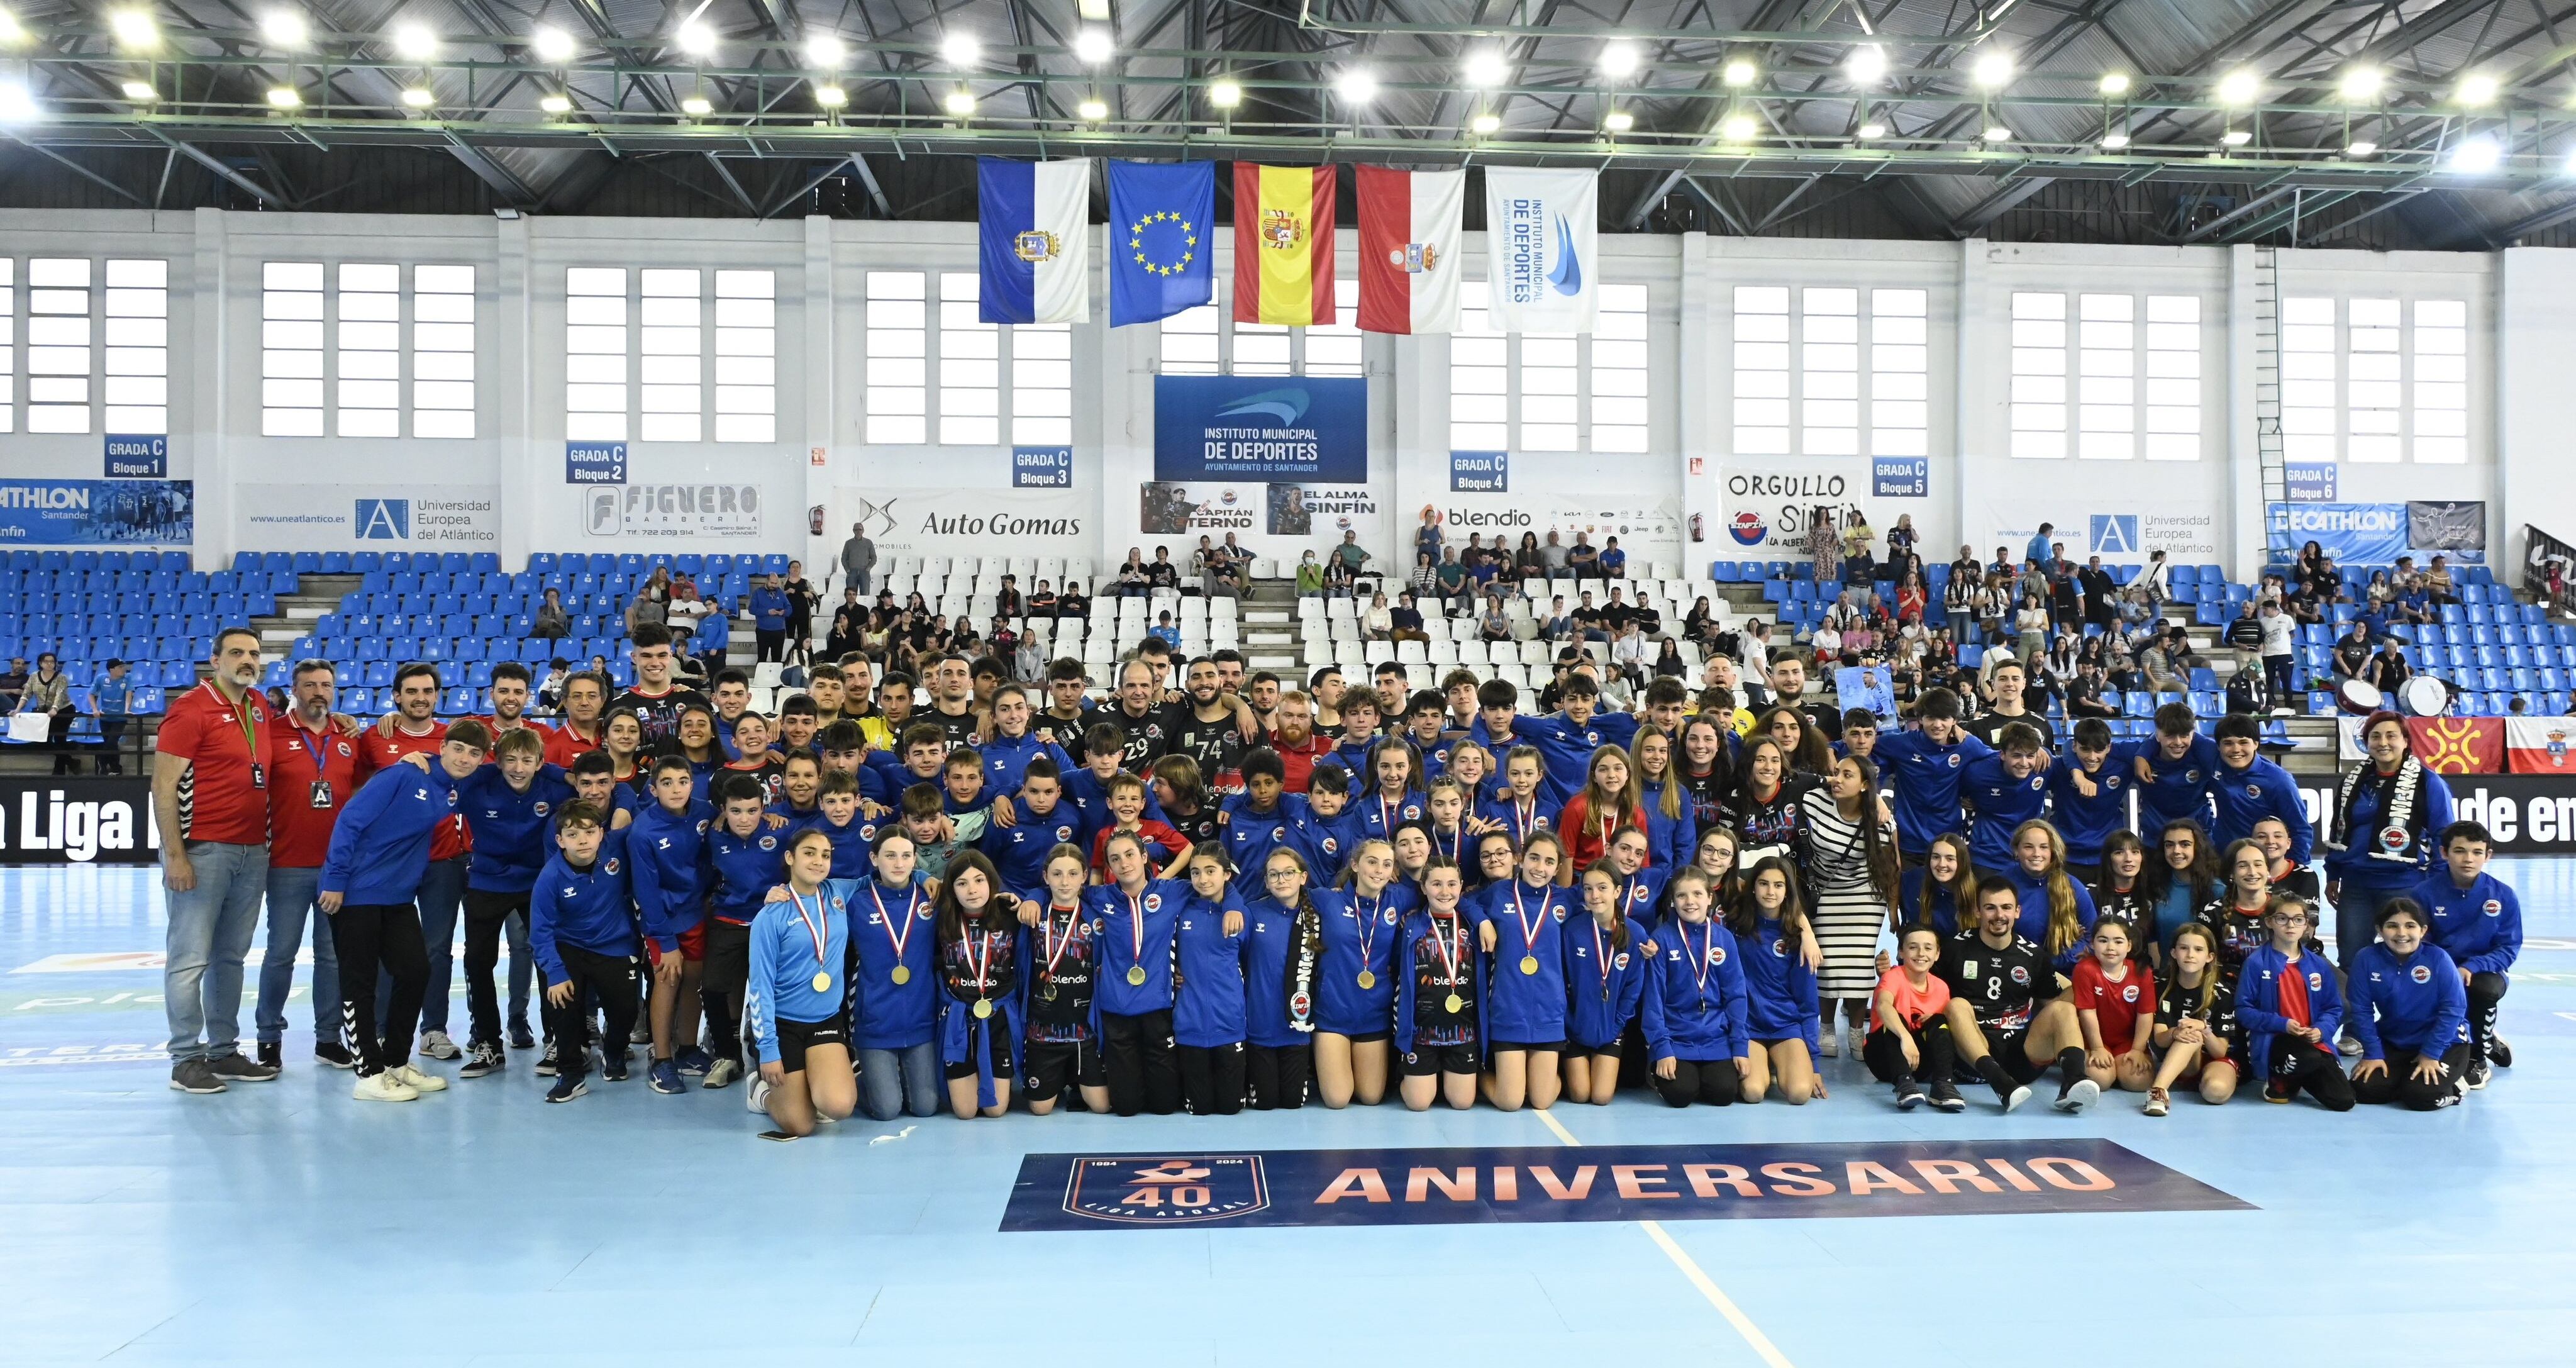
pixel 77 821
pixel 1251 427
pixel 340 517
pixel 98 512
pixel 671 510
pixel 1766 508
pixel 969 522
pixel 2378 533
pixel 2528 814
pixel 1274 518
pixel 2121 532
pixel 1649 528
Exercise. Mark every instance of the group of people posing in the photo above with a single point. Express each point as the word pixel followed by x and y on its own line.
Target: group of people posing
pixel 1232 893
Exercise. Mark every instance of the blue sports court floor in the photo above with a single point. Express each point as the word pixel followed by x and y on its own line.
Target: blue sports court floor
pixel 286 1224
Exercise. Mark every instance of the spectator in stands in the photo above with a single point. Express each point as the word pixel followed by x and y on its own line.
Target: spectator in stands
pixel 1073 603
pixel 2155 583
pixel 550 622
pixel 13 685
pixel 801 601
pixel 2098 589
pixel 1994 608
pixel 681 614
pixel 2388 669
pixel 1404 620
pixel 2438 584
pixel 1591 622
pixel 847 620
pixel 1824 544
pixel 1160 572
pixel 1349 559
pixel 2084 693
pixel 769 609
pixel 2030 627
pixel 1450 579
pixel 1614 562
pixel 1425 581
pixel 644 608
pixel 1530 561
pixel 1496 624
pixel 1310 576
pixel 1583 559
pixel 2352 651
pixel 2276 650
pixel 1132 579
pixel 858 559
pixel 713 639
pixel 1555 556
pixel 2245 632
pixel 111 701
pixel 2042 550
pixel 1858 537
pixel 1558 625
pixel 48 692
pixel 1901 539
pixel 1912 596
pixel 1378 620
pixel 1428 538
pixel 1756 653
pixel 1631 653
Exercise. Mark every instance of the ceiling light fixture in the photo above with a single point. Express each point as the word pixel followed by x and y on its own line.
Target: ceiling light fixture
pixel 2360 147
pixel 1994 70
pixel 960 50
pixel 556 104
pixel 696 38
pixel 1357 85
pixel 1225 94
pixel 2114 83
pixel 1872 131
pixel 960 102
pixel 12 33
pixel 1867 64
pixel 1094 108
pixel 696 106
pixel 2477 156
pixel 284 97
pixel 2361 85
pixel 2114 141
pixel 2236 137
pixel 831 96
pixel 17 105
pixel 826 52
pixel 134 30
pixel 552 45
pixel 1620 121
pixel 1484 67
pixel 141 92
pixel 1094 45
pixel 1741 72
pixel 1619 60
pixel 2477 90
pixel 1996 133
pixel 2239 88
pixel 418 97
pixel 415 43
pixel 285 28
pixel 1739 128
pixel 1485 123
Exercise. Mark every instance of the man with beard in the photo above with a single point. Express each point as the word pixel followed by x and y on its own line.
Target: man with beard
pixel 585 700
pixel 1212 727
pixel 1789 683
pixel 952 701
pixel 214 861
pixel 656 699
pixel 1299 745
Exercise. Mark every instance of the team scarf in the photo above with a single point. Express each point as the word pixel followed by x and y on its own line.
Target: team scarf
pixel 2401 810
pixel 1306 951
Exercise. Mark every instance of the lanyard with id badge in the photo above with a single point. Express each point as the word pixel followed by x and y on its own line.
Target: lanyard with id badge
pixel 322 798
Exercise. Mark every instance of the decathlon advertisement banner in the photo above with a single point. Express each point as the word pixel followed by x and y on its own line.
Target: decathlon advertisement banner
pixel 98 512
pixel 338 517
pixel 970 522
pixel 1542 258
pixel 1260 428
pixel 2378 533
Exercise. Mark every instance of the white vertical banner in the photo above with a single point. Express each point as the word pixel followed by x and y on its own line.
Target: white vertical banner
pixel 1542 262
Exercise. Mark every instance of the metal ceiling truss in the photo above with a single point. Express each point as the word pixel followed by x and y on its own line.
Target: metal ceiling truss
pixel 207 92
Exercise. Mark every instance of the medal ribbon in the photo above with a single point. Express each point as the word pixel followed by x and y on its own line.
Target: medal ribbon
pixel 1136 926
pixel 983 970
pixel 1449 954
pixel 1523 819
pixel 1529 930
pixel 1056 946
pixel 1699 966
pixel 1601 957
pixel 910 904
pixel 1368 926
pixel 811 929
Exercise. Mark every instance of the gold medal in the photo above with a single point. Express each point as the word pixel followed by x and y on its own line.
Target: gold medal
pixel 822 983
pixel 901 975
pixel 983 1008
pixel 1367 979
pixel 1455 1004
pixel 1136 976
pixel 1529 964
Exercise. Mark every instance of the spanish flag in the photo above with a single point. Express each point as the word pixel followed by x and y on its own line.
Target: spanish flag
pixel 1283 244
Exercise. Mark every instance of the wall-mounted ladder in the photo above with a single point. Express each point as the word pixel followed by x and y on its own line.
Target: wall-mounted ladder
pixel 2268 446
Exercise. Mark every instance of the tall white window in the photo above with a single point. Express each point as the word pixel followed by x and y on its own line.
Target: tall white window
pixel 746 356
pixel 58 343
pixel 2173 378
pixel 1334 348
pixel 1190 342
pixel 442 351
pixel 368 365
pixel 1042 384
pixel 2310 396
pixel 2441 385
pixel 137 363
pixel 674 356
pixel 2374 389
pixel 595 352
pixel 2039 398
pixel 1762 370
pixel 1550 375
pixel 1619 389
pixel 1829 371
pixel 290 360
pixel 8 344
pixel 970 366
pixel 1900 364
pixel 898 358
pixel 2106 363
pixel 1479 377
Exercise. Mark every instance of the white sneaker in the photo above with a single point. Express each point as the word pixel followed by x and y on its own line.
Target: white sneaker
pixel 1855 1040
pixel 417 1080
pixel 722 1073
pixel 755 1099
pixel 1828 1044
pixel 436 1045
pixel 383 1087
pixel 2349 1047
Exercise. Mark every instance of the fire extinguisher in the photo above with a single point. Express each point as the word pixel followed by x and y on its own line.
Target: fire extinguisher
pixel 814 520
pixel 1698 528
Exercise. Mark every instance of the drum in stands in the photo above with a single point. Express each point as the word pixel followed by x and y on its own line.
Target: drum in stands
pixel 2358 698
pixel 2424 696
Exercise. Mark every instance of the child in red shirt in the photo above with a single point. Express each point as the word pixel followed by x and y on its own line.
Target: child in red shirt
pixel 2115 1004
pixel 1126 799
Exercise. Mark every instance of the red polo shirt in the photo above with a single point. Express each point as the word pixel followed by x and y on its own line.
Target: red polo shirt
pixel 218 797
pixel 300 832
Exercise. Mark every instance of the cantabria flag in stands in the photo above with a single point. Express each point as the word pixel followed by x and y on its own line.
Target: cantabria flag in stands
pixel 1036 220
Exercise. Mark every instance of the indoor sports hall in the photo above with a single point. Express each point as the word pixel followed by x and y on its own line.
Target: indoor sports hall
pixel 1151 681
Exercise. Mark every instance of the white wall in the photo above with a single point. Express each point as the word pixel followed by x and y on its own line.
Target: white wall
pixel 2520 342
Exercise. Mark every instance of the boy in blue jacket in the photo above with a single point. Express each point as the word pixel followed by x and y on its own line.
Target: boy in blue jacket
pixel 2477 920
pixel 2289 1000
pixel 370 878
pixel 2172 768
pixel 667 852
pixel 2412 1014
pixel 506 805
pixel 2004 790
pixel 581 929
pixel 2248 788
pixel 1924 766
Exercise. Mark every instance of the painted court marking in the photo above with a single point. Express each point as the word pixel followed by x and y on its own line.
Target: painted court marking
pixel 1699 1278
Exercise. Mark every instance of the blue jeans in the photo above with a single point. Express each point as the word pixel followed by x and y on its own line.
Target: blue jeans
pixel 892 1082
pixel 211 926
pixel 290 897
pixel 441 896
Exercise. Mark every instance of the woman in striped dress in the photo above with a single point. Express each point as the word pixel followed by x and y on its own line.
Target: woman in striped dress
pixel 1825 545
pixel 1847 858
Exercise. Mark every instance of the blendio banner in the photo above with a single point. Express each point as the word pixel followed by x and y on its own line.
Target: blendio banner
pixel 1385 1187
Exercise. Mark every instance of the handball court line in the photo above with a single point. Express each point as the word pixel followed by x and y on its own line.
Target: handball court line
pixel 1744 1326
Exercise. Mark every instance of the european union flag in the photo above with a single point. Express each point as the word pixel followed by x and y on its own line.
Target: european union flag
pixel 1162 239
